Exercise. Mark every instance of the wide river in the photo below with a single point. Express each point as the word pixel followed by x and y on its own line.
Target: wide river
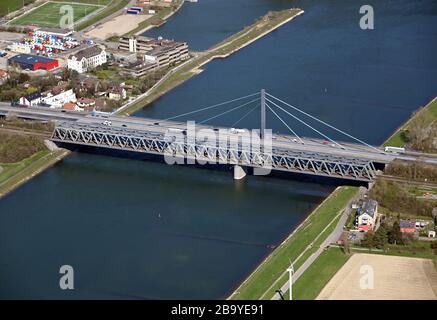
pixel 134 229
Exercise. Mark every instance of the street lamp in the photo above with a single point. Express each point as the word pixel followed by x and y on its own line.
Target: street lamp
pixel 290 280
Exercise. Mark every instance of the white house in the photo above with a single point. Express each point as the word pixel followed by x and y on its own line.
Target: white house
pixel 58 101
pixel 367 215
pixel 31 100
pixel 117 93
pixel 87 59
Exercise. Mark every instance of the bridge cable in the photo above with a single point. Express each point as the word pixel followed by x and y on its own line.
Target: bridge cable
pixel 230 110
pixel 244 116
pixel 211 107
pixel 285 124
pixel 306 124
pixel 323 122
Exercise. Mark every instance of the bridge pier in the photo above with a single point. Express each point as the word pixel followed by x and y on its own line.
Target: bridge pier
pixel 239 172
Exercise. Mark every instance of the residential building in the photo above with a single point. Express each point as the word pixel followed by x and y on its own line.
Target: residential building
pixel 87 59
pixel 367 215
pixel 407 226
pixel 58 100
pixel 33 63
pixel 117 93
pixel 86 102
pixel 71 107
pixel 31 100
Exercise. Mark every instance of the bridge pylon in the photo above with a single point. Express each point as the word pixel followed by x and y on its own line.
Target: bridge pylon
pixel 263 113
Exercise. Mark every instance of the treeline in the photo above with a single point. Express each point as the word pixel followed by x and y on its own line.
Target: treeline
pixel 14 148
pixel 413 170
pixel 395 198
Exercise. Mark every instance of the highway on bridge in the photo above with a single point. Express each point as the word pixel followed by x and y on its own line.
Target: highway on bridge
pixel 314 149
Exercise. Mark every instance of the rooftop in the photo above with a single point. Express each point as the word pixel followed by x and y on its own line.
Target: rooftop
pixel 369 207
pixel 407 224
pixel 30 59
pixel 87 53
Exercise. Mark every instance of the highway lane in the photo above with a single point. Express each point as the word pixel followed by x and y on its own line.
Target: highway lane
pixel 162 127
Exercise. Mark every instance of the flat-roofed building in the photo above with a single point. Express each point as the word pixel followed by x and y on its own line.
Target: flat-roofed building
pixel 168 54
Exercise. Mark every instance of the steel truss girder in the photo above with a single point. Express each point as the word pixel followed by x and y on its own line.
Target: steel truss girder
pixel 279 159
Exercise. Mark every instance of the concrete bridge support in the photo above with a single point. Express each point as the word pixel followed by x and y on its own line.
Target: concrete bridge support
pixel 239 172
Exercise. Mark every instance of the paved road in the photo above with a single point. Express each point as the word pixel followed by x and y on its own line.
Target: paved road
pixel 137 125
pixel 332 238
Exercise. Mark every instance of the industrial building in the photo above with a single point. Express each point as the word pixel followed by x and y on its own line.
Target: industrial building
pixel 154 53
pixel 174 50
pixel 33 63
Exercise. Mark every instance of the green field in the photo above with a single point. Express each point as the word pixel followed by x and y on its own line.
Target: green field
pixel 8 6
pixel 48 15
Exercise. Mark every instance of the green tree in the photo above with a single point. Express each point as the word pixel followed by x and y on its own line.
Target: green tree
pixel 395 234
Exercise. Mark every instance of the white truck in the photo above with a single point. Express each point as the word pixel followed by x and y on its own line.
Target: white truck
pixel 394 149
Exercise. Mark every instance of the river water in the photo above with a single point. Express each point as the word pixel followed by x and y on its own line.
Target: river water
pixel 134 229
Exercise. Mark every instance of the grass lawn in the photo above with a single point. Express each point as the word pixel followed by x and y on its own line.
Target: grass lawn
pixel 315 278
pixel 8 6
pixel 13 175
pixel 269 271
pixel 398 140
pixel 48 15
pixel 10 169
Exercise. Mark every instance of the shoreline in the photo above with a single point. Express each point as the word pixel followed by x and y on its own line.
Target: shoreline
pixel 165 18
pixel 286 244
pixel 282 244
pixel 21 177
pixel 220 51
pixel 404 126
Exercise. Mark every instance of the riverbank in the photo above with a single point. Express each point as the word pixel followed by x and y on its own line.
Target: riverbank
pixel 298 246
pixel 14 175
pixel 399 137
pixel 262 27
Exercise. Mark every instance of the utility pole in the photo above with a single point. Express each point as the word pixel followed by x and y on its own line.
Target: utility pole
pixel 263 113
pixel 290 280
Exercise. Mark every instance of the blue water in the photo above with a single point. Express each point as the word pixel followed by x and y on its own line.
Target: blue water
pixel 136 229
pixel 364 82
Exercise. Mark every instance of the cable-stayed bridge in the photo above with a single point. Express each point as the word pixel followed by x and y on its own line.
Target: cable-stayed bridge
pixel 201 143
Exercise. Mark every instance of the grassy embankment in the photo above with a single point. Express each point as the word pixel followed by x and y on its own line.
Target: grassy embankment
pixel 297 247
pixel 317 276
pixel 399 138
pixel 261 27
pixel 110 8
pixel 23 156
pixel 8 6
